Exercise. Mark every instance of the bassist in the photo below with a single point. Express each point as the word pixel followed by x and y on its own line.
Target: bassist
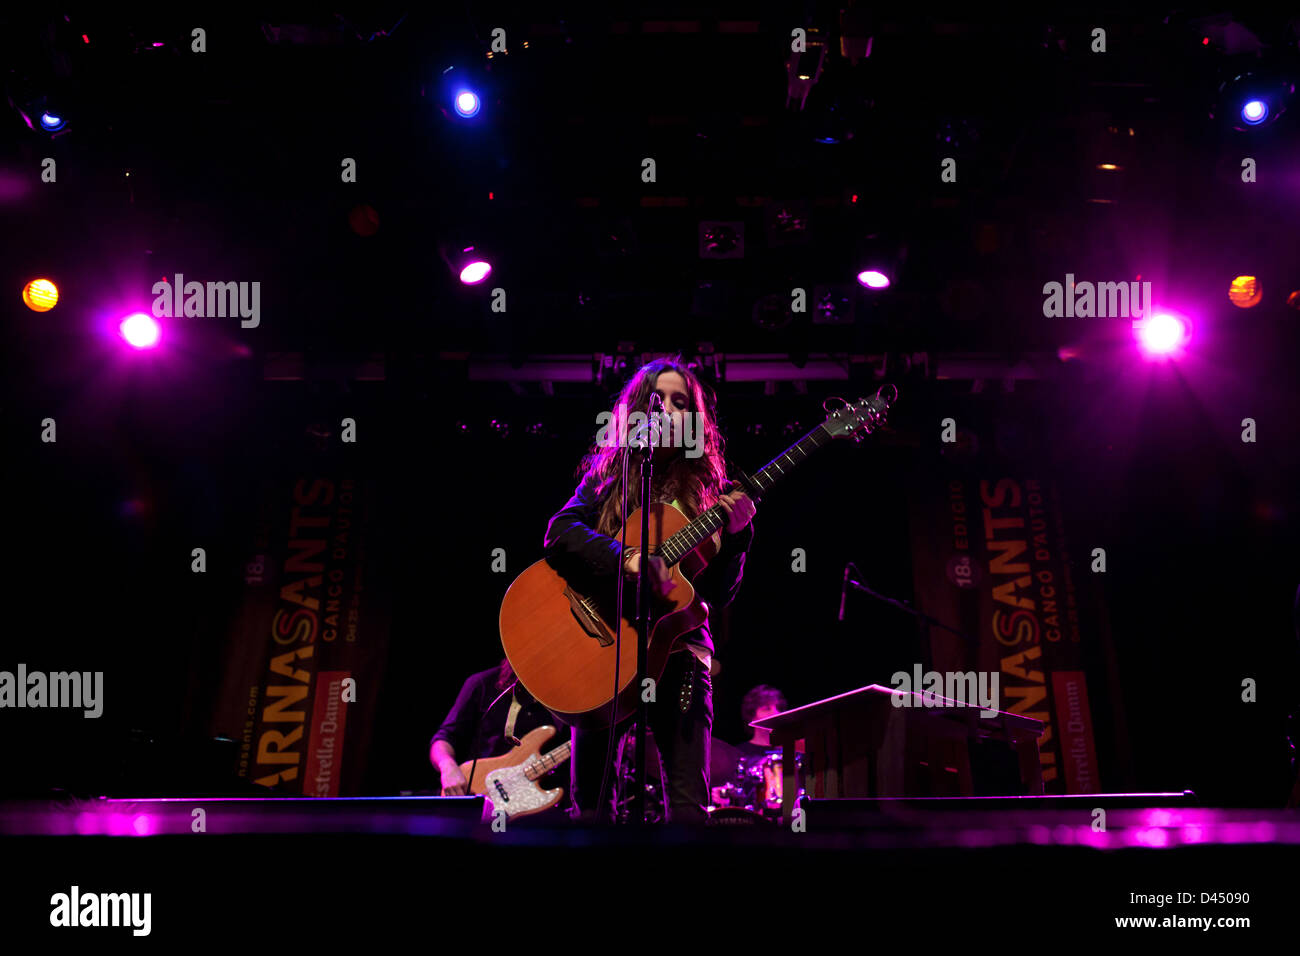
pixel 476 727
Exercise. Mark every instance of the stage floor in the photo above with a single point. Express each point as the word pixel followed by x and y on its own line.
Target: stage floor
pixel 932 871
pixel 1099 821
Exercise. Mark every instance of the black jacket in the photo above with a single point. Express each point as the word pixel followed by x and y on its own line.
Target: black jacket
pixel 579 553
pixel 469 719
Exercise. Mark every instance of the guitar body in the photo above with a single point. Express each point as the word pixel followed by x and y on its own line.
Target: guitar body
pixel 507 781
pixel 561 642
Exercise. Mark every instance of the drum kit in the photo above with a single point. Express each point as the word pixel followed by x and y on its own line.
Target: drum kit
pixel 751 785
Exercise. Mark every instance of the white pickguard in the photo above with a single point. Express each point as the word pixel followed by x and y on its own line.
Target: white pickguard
pixel 510 790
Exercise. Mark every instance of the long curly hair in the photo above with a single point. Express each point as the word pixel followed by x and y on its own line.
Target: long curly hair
pixel 696 482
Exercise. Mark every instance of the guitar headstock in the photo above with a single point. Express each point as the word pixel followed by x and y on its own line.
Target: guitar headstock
pixel 859 419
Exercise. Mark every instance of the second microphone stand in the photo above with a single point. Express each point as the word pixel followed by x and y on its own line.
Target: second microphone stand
pixel 926 620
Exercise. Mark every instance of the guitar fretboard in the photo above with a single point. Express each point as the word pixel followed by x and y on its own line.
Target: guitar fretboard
pixel 547 762
pixel 688 539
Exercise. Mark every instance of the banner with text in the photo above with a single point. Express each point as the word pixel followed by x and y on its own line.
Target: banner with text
pixel 990 558
pixel 307 651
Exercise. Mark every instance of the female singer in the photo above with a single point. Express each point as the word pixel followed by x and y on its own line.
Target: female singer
pixel 583 538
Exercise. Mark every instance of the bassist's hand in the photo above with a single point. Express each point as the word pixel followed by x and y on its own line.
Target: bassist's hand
pixel 453 781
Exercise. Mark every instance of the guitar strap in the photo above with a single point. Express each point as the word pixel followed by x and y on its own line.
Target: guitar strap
pixel 513 715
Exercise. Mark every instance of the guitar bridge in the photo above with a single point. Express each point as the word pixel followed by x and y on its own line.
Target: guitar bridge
pixel 588 617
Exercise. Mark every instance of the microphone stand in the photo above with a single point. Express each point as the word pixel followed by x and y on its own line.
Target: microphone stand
pixel 925 619
pixel 639 807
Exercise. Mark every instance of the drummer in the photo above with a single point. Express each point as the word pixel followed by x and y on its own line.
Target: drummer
pixel 762 701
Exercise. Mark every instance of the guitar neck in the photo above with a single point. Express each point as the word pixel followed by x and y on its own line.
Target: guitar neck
pixel 547 762
pixel 703 527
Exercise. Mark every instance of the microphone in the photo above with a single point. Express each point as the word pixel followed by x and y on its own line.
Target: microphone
pixel 844 588
pixel 644 437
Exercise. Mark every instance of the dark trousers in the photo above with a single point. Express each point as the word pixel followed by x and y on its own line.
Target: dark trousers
pixel 682 736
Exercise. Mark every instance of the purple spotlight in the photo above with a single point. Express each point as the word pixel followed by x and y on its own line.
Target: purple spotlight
pixel 476 271
pixel 873 279
pixel 1161 335
pixel 467 103
pixel 140 331
pixel 1254 112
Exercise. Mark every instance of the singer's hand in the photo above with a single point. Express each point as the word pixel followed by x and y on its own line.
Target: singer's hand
pixel 661 576
pixel 740 509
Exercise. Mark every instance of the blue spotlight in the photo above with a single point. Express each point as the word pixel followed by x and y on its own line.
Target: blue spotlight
pixel 1254 112
pixel 467 103
pixel 52 123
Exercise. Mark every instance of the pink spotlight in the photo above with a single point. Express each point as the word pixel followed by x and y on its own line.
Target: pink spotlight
pixel 1161 335
pixel 140 331
pixel 873 279
pixel 476 271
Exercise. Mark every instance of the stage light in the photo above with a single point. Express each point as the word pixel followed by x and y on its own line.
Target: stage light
pixel 469 261
pixel 1245 291
pixel 40 295
pixel 1161 335
pixel 719 239
pixel 1254 99
pixel 804 68
pixel 832 304
pixel 877 256
pixel 461 91
pixel 42 111
pixel 140 331
pixel 467 103
pixel 1254 112
pixel 475 272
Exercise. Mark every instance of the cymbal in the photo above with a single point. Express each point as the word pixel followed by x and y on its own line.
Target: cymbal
pixel 722 761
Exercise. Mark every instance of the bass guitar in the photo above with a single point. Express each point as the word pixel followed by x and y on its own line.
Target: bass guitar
pixel 510 781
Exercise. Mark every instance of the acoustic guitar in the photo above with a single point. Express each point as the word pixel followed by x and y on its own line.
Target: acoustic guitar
pixel 561 641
